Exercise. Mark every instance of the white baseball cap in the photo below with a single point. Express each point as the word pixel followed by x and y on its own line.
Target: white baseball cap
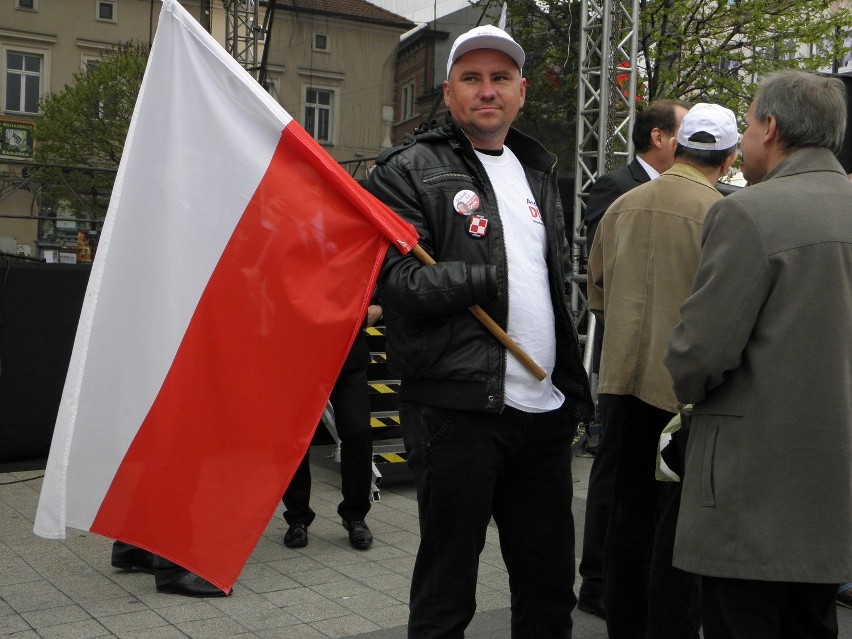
pixel 714 119
pixel 486 37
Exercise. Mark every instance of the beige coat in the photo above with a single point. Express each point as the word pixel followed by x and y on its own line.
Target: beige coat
pixel 765 352
pixel 641 267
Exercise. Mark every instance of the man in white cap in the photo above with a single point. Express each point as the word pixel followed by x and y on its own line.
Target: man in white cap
pixel 484 436
pixel 642 262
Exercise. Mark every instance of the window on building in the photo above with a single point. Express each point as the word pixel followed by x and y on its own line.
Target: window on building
pixel 408 99
pixel 29 5
pixel 318 113
pixel 321 42
pixel 106 10
pixel 90 65
pixel 23 81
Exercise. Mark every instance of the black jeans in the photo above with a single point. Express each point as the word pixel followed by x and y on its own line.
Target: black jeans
pixel 598 507
pixel 745 609
pixel 468 467
pixel 644 595
pixel 598 502
pixel 350 399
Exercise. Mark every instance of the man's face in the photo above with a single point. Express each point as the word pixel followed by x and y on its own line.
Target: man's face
pixel 484 93
pixel 754 152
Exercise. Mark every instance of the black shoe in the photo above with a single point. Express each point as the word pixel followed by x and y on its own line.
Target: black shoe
pixel 127 557
pixel 191 585
pixel 360 536
pixel 296 536
pixel 591 607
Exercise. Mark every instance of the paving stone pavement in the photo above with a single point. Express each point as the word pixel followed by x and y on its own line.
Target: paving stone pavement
pixel 68 590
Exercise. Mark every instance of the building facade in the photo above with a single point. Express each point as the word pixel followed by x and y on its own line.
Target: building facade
pixel 331 66
pixel 330 63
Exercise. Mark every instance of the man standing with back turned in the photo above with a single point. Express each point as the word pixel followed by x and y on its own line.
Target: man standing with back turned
pixel 641 268
pixel 484 436
pixel 764 351
pixel 655 140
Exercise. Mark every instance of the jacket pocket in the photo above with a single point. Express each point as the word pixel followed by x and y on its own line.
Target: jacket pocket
pixel 708 496
pixel 423 347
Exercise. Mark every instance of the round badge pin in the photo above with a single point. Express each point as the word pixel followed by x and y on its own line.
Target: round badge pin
pixel 465 202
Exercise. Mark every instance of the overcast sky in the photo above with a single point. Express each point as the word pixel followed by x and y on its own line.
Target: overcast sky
pixel 421 11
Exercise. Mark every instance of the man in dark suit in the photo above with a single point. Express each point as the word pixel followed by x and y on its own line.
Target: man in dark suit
pixel 350 399
pixel 655 139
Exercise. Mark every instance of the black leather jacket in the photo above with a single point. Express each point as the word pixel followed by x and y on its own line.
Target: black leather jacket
pixel 442 354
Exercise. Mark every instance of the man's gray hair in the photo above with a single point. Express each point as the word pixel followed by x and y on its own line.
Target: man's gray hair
pixel 810 109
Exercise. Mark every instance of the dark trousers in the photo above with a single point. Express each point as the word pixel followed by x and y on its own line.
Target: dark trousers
pixel 598 507
pixel 468 467
pixel 745 609
pixel 644 596
pixel 351 402
pixel 598 502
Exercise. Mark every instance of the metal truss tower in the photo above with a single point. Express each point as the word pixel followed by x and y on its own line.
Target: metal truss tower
pixel 242 32
pixel 606 103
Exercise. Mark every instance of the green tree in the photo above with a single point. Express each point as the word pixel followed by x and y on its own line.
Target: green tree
pixel 700 51
pixel 717 51
pixel 84 126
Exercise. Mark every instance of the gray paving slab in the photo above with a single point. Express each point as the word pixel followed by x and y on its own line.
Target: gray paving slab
pixel 67 589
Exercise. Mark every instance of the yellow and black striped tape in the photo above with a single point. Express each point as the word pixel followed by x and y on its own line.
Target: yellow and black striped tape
pixel 384 387
pixel 385 421
pixel 389 458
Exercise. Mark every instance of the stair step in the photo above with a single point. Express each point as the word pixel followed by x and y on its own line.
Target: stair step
pixel 389 458
pixel 384 419
pixel 389 452
pixel 378 368
pixel 376 338
pixel 384 395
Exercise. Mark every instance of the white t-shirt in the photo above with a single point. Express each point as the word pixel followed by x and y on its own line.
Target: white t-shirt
pixel 531 322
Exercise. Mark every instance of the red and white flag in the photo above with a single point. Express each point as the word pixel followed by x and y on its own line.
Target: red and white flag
pixel 235 266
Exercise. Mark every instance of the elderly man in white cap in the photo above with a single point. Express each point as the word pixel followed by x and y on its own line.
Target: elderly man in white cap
pixel 484 436
pixel 642 263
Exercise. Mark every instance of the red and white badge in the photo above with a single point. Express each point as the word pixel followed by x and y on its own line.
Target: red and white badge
pixel 478 226
pixel 465 202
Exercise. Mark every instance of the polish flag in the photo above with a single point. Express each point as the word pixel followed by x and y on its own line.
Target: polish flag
pixel 234 270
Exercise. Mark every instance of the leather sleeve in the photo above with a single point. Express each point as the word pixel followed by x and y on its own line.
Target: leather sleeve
pixel 411 288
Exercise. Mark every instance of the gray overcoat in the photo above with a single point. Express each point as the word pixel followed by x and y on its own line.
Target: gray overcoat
pixel 764 350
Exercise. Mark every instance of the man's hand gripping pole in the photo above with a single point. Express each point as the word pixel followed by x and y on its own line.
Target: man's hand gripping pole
pixel 491 325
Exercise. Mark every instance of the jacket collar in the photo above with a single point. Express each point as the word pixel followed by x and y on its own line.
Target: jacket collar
pixel 681 169
pixel 806 160
pixel 528 150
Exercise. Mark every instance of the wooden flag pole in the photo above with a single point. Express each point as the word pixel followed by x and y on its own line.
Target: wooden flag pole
pixel 491 325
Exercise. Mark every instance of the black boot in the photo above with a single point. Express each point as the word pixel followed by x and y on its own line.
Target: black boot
pixel 171 578
pixel 127 557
